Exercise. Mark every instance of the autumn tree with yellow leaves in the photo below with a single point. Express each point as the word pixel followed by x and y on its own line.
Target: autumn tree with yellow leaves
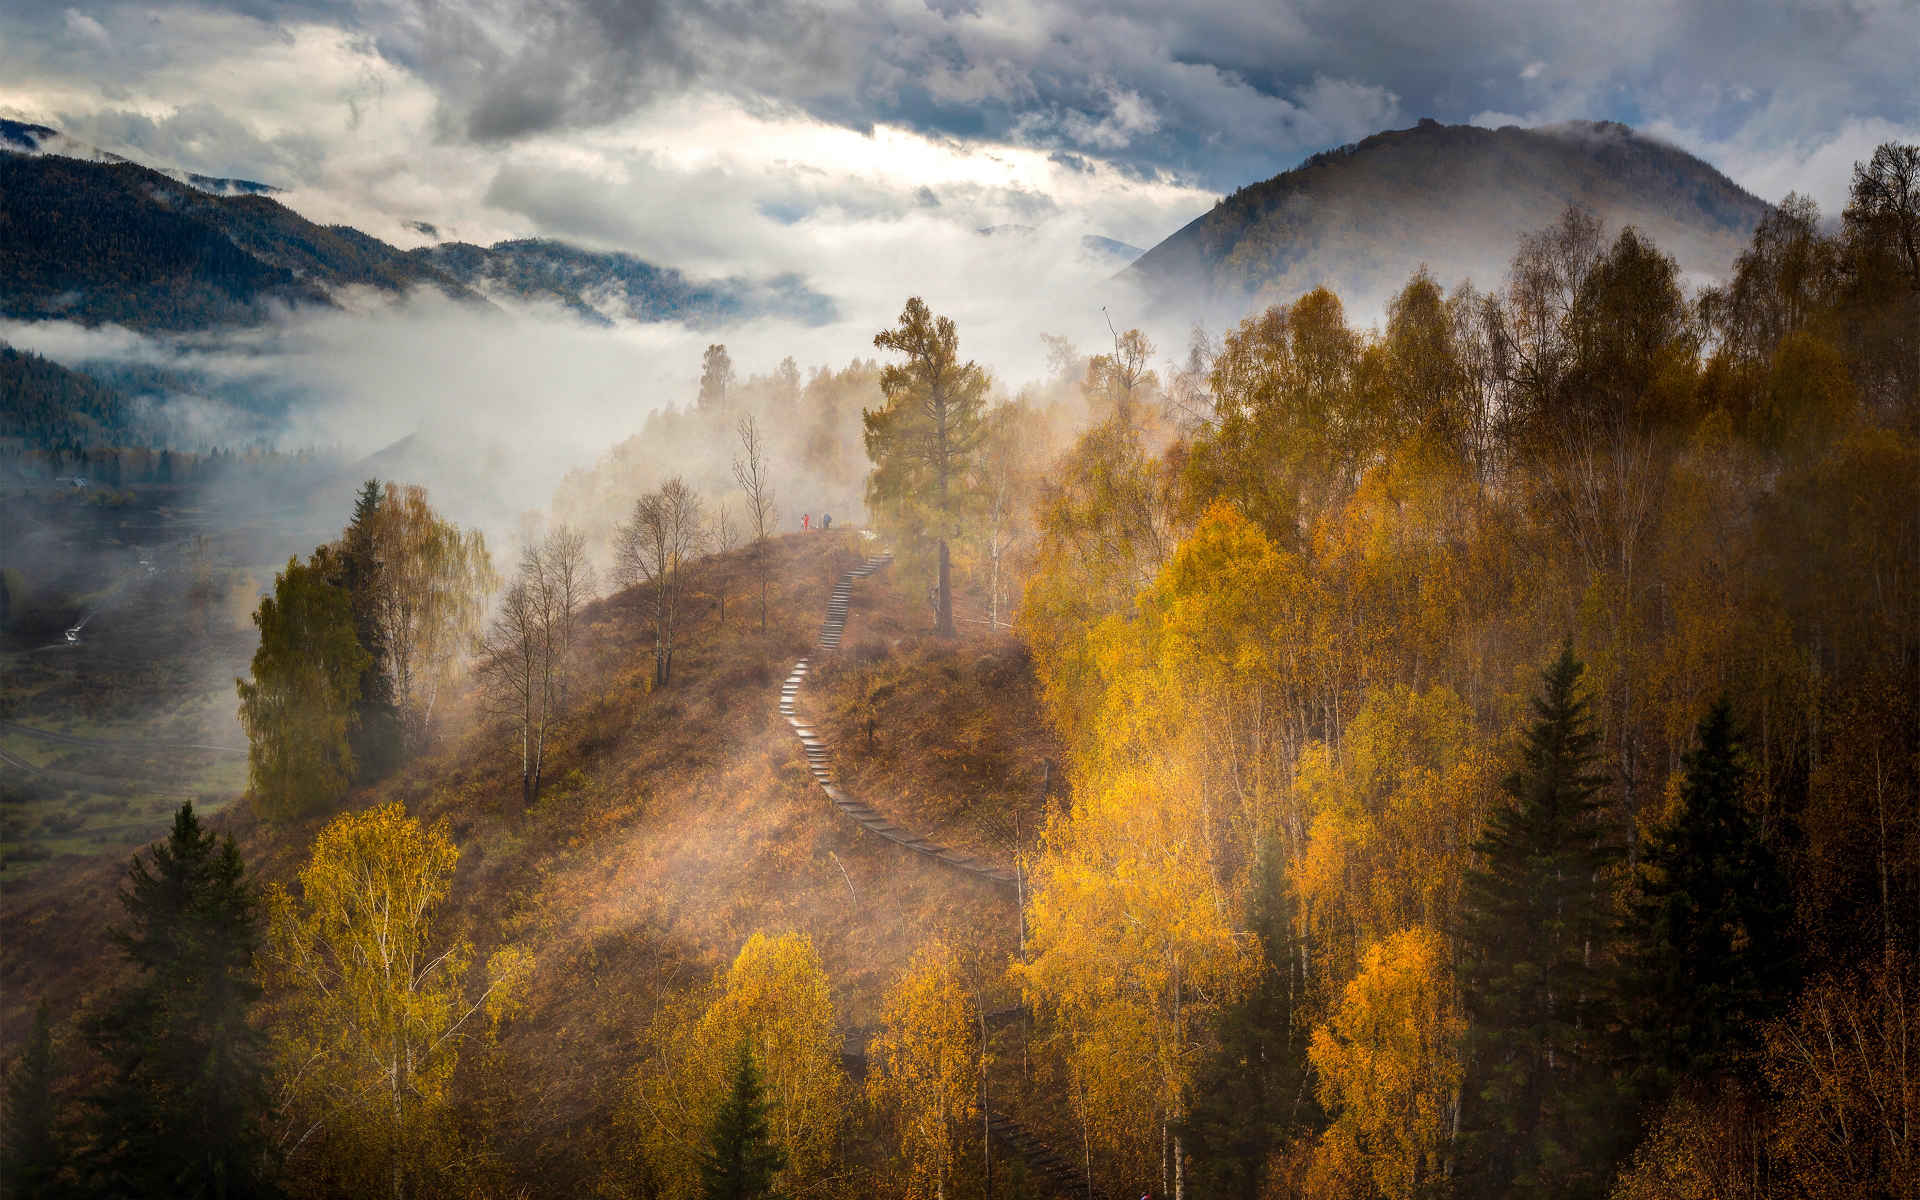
pixel 1309 627
pixel 925 1070
pixel 427 599
pixel 774 1000
pixel 1389 1063
pixel 374 1008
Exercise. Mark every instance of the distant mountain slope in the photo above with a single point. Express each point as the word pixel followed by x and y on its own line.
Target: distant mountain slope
pixel 1110 251
pixel 117 242
pixel 91 237
pixel 604 285
pixel 22 138
pixel 48 405
pixel 1362 218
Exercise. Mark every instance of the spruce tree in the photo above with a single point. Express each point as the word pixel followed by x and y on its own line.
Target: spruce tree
pixel 181 1113
pixel 1715 916
pixel 377 734
pixel 32 1152
pixel 741 1158
pixel 1535 968
pixel 1253 1094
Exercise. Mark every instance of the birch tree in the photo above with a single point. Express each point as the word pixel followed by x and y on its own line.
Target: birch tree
pixel 653 552
pixel 774 1000
pixel 526 658
pixel 1005 475
pixel 756 481
pixel 428 598
pixel 927 1069
pixel 374 1006
pixel 723 534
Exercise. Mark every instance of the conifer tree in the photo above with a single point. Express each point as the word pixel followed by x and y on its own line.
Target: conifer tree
pixel 741 1158
pixel 922 441
pixel 1253 1095
pixel 181 1112
pixel 32 1152
pixel 377 733
pixel 1715 916
pixel 1536 974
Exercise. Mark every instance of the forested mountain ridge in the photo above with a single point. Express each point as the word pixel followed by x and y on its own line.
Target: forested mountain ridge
pixel 23 138
pixel 48 405
pixel 1359 219
pixel 601 286
pixel 121 243
pixel 93 237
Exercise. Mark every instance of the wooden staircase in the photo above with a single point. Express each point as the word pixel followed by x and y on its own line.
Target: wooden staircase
pixel 1048 1165
pixel 816 749
pixel 1055 1172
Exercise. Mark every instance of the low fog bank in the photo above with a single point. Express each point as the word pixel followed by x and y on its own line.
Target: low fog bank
pixel 512 417
pixel 491 409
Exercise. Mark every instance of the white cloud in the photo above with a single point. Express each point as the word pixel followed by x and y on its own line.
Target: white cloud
pixel 729 139
pixel 84 28
pixel 1820 166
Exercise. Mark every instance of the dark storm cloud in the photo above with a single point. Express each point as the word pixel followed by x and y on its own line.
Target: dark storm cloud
pixel 1220 91
pixel 1135 86
pixel 1216 91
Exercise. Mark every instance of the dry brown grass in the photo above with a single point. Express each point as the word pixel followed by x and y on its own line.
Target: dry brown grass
pixel 943 735
pixel 677 821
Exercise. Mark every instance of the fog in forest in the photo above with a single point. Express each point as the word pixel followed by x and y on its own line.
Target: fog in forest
pixel 994 602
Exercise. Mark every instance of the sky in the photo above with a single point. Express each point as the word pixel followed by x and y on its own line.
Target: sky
pixel 861 144
pixel 720 136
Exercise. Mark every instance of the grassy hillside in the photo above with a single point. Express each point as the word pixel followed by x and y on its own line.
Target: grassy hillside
pixel 944 736
pixel 1359 220
pixel 678 822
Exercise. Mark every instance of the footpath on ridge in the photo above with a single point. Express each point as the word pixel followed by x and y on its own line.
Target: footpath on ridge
pixel 816 749
pixel 1047 1164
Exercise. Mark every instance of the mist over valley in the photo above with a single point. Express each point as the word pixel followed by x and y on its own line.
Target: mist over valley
pixel 985 602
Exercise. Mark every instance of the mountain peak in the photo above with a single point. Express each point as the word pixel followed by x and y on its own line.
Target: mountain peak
pixel 1362 217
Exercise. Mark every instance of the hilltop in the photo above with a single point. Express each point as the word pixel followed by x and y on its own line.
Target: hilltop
pixel 1362 218
pixel 679 820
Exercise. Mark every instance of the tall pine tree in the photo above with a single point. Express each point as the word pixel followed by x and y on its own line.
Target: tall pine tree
pixel 1715 917
pixel 182 1112
pixel 741 1159
pixel 1536 970
pixel 33 1151
pixel 923 440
